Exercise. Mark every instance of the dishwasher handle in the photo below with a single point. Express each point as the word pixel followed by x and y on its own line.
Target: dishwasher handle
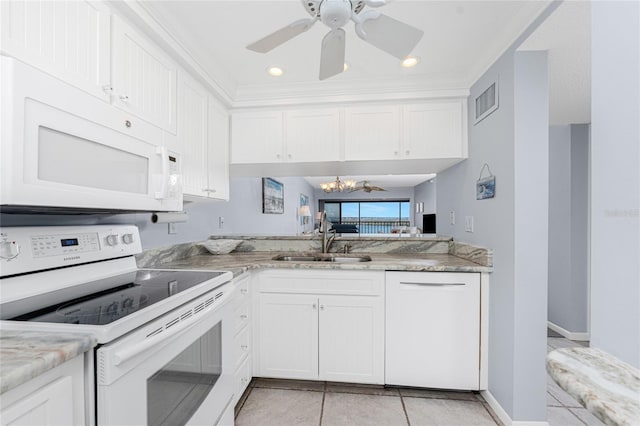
pixel 430 284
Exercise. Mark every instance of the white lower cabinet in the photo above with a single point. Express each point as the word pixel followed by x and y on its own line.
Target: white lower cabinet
pixel 242 346
pixel 53 398
pixel 322 325
pixel 433 330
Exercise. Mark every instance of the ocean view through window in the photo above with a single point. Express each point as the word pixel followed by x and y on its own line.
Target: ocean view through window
pixel 370 217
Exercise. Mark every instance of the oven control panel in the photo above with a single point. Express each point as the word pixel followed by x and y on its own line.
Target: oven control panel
pixel 56 245
pixel 29 249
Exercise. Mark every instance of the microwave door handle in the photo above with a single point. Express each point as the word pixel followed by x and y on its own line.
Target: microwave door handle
pixel 164 180
pixel 125 354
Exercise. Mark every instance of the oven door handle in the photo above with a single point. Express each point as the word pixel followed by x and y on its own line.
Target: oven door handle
pixel 125 354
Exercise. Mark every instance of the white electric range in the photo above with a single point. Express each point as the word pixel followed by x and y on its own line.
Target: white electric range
pixel 164 336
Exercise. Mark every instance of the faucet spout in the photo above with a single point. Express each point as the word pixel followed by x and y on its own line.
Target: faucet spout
pixel 327 236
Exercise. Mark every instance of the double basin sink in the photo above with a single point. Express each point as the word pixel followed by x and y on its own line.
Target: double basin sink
pixel 323 257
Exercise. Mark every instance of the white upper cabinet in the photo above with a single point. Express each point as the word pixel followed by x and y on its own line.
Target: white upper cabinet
pixel 193 134
pixel 203 132
pixel 434 130
pixel 372 133
pixel 257 137
pixel 218 151
pixel 67 39
pixel 144 78
pixel 312 135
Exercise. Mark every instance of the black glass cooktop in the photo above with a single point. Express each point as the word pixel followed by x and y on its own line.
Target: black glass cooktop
pixel 116 297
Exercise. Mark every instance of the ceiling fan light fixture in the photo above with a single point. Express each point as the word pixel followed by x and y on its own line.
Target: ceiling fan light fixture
pixel 410 61
pixel 275 71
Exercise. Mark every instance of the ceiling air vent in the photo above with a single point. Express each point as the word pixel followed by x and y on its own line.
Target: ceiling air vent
pixel 487 102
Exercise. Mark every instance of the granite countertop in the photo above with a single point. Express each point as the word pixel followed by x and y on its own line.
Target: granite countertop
pixel 604 385
pixel 27 354
pixel 241 262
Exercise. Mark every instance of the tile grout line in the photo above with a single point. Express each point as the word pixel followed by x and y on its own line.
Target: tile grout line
pixel 324 394
pixel 404 409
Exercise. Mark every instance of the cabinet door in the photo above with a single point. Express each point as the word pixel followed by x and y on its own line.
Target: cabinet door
pixel 288 336
pixel 51 405
pixel 218 151
pixel 352 339
pixel 67 39
pixel 144 77
pixel 256 137
pixel 372 133
pixel 193 134
pixel 433 330
pixel 312 135
pixel 434 130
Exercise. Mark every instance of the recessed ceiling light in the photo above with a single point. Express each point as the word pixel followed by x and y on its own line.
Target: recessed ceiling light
pixel 410 61
pixel 275 71
pixel 346 66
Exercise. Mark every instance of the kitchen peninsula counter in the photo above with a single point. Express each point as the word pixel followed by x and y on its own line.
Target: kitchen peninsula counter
pixel 27 354
pixel 242 262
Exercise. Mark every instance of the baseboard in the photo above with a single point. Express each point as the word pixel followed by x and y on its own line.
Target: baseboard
pixel 568 334
pixel 502 415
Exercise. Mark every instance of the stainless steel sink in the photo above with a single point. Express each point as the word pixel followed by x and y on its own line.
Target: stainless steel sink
pixel 338 258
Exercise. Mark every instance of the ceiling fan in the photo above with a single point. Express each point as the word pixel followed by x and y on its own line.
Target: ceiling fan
pixel 367 187
pixel 383 32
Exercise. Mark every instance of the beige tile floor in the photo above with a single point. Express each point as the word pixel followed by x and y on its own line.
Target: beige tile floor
pixel 294 402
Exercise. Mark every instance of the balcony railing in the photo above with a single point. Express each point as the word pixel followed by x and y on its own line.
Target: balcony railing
pixel 376 226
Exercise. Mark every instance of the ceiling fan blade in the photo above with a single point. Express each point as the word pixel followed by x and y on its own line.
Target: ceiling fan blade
pixel 388 34
pixel 276 38
pixel 332 54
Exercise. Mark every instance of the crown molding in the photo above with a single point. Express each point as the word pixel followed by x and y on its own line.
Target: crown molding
pixel 146 20
pixel 413 88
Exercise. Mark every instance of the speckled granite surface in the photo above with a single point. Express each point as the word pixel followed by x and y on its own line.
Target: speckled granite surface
pixel 604 385
pixel 27 354
pixel 241 262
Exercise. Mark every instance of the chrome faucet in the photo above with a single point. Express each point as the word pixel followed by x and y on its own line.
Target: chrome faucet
pixel 327 239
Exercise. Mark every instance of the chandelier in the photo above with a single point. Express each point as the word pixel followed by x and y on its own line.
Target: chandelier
pixel 338 185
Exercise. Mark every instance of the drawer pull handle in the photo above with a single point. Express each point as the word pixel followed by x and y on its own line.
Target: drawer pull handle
pixel 244 291
pixel 431 284
pixel 243 316
pixel 244 347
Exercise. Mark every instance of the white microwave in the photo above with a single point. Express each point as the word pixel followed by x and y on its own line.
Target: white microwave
pixel 62 149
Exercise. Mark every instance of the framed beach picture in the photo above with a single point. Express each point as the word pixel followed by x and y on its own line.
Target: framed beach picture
pixel 305 213
pixel 272 196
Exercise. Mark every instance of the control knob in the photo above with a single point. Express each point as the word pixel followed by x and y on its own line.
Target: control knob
pixel 9 250
pixel 112 240
pixel 128 238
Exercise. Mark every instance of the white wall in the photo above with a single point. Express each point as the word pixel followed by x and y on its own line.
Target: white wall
pixel 615 179
pixel 514 142
pixel 568 227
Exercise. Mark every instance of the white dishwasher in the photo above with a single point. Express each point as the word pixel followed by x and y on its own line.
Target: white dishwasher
pixel 433 330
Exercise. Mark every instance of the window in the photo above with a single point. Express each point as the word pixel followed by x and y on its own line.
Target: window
pixel 371 217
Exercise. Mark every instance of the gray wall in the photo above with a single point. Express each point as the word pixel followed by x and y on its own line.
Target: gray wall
pixel 426 193
pixel 242 215
pixel 615 179
pixel 568 226
pixel 514 142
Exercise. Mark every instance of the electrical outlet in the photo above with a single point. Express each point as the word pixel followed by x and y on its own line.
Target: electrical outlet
pixel 172 228
pixel 468 223
pixel 452 218
pixel 220 222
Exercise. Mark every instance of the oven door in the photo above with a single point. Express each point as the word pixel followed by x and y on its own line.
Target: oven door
pixel 173 371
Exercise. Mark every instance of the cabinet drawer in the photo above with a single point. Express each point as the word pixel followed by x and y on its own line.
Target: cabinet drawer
pixel 241 346
pixel 243 291
pixel 241 314
pixel 242 378
pixel 323 282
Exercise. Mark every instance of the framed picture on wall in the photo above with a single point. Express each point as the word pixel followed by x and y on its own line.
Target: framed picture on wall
pixel 272 196
pixel 305 212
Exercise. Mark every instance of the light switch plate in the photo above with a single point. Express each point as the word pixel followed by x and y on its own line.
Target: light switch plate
pixel 452 218
pixel 468 223
pixel 172 228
